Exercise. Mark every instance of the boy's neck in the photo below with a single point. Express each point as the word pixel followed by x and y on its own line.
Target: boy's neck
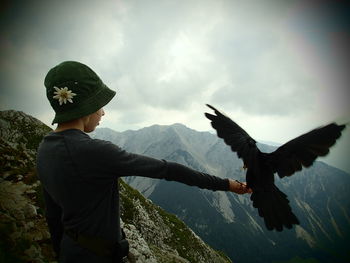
pixel 74 124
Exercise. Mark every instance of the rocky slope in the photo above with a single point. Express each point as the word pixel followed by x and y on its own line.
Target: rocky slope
pixel 318 195
pixel 154 235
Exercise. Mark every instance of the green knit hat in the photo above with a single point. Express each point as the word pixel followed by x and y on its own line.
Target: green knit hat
pixel 74 90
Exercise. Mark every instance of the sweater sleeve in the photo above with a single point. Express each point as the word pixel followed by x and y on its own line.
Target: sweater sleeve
pixel 122 163
pixel 186 175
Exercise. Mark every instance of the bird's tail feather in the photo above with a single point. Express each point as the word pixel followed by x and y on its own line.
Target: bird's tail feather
pixel 273 206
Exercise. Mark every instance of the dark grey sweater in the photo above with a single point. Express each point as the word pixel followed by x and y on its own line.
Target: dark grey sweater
pixel 79 176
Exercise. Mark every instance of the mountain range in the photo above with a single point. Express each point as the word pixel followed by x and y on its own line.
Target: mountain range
pixel 318 195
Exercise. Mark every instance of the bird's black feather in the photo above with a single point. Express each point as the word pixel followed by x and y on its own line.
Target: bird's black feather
pixel 303 150
pixel 233 135
pixel 273 204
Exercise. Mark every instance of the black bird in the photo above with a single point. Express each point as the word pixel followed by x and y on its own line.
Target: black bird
pixel 272 204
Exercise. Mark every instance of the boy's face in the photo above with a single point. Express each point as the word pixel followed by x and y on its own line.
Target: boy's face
pixel 93 120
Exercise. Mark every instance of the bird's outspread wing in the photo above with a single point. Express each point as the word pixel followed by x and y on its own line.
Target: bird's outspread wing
pixel 303 150
pixel 234 136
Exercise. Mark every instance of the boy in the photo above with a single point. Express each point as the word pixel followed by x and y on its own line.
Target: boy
pixel 79 174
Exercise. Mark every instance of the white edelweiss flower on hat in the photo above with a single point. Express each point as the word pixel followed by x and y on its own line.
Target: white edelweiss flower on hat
pixel 63 95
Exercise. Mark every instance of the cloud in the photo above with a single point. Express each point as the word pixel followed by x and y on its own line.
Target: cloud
pixel 169 58
pixel 271 84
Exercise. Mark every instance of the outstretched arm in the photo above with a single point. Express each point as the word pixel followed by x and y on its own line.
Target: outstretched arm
pixel 130 164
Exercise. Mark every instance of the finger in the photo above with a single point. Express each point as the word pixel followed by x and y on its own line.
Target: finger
pixel 245 187
pixel 249 190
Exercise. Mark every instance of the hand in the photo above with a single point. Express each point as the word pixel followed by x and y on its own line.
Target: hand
pixel 239 187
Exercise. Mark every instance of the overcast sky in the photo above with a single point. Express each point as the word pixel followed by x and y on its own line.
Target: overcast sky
pixel 278 68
